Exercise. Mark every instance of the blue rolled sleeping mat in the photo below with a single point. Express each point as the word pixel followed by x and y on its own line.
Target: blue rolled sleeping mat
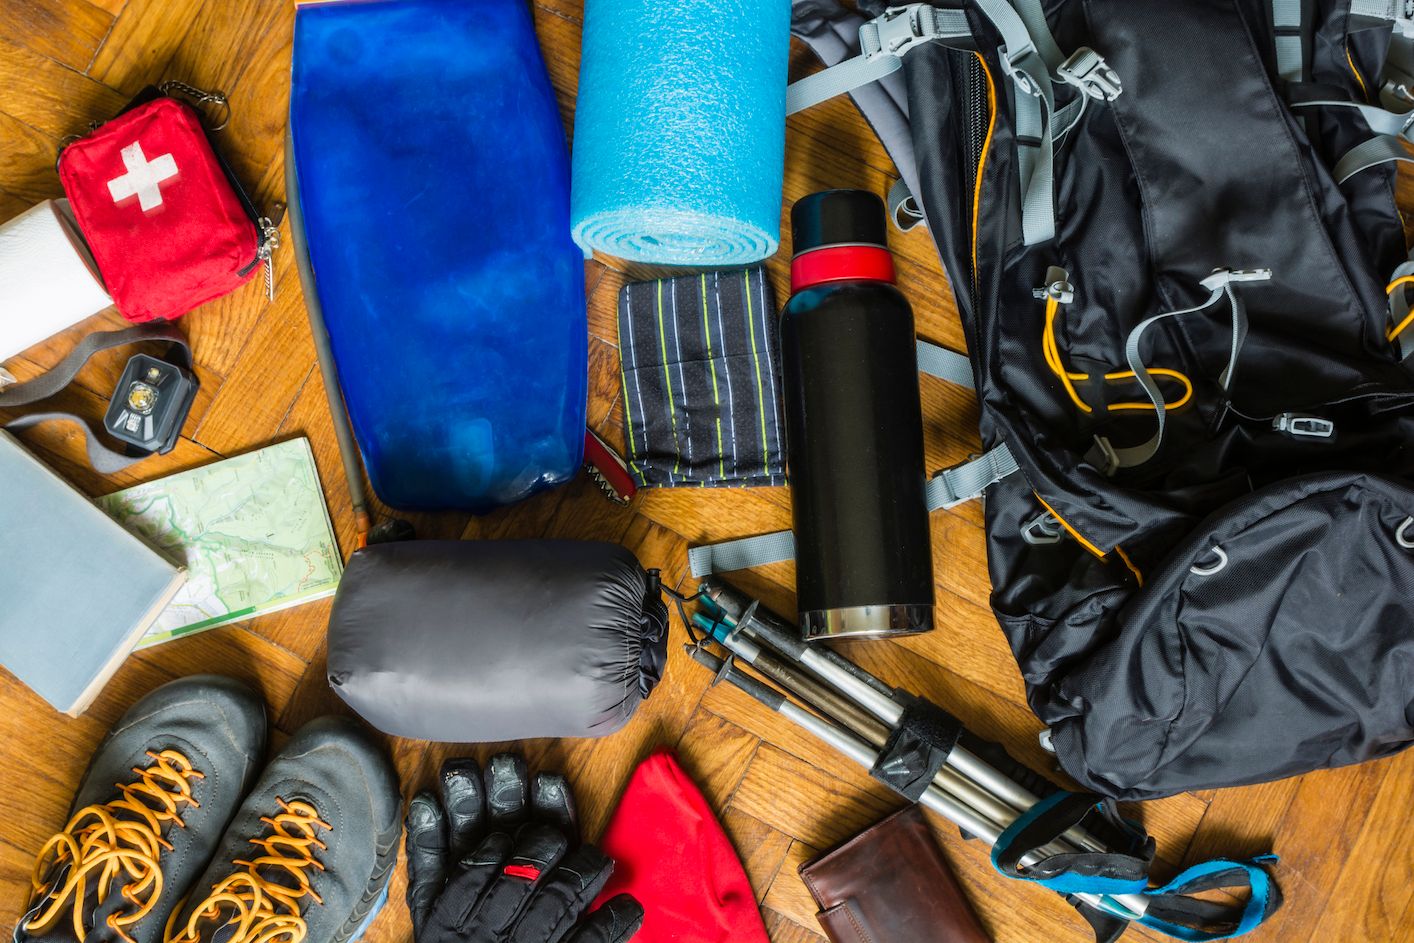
pixel 433 181
pixel 679 135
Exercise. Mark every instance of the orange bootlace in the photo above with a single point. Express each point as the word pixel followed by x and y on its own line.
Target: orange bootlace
pixel 103 842
pixel 262 902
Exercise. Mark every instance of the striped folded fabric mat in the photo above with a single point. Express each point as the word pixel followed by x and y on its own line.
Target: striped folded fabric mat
pixel 701 358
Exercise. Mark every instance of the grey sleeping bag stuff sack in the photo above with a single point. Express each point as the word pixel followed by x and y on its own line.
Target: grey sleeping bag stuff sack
pixel 482 641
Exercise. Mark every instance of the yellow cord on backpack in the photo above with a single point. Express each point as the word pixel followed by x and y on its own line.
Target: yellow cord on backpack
pixel 1399 329
pixel 1051 349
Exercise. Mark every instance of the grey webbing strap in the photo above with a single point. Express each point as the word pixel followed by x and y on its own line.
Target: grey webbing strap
pixel 1034 104
pixel 1394 11
pixel 1220 285
pixel 903 207
pixel 1286 24
pixel 947 489
pixel 945 364
pixel 963 483
pixel 104 460
pixel 741 554
pixel 884 41
pixel 1390 123
pixel 1034 16
pixel 1376 151
pixel 47 384
pixel 831 32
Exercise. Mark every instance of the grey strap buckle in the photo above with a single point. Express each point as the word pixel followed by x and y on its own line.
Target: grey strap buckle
pixel 1223 277
pixel 1301 426
pixel 1024 82
pixel 896 32
pixel 1057 286
pixel 1088 71
pixel 1042 530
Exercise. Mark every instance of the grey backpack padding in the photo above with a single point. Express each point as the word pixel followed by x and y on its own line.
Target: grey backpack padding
pixel 484 641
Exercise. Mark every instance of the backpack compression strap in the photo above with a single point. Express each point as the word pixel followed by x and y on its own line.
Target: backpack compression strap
pixel 831 32
pixel 1030 58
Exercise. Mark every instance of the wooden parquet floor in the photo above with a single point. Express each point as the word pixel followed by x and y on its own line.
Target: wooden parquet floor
pixel 1344 835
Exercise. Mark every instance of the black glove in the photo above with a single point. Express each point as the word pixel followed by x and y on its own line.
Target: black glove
pixel 498 860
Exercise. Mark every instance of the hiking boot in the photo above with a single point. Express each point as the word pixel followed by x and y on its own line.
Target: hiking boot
pixel 310 852
pixel 157 797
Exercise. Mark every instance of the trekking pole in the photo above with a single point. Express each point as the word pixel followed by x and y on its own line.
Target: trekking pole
pixel 854 719
pixel 1126 906
pixel 857 684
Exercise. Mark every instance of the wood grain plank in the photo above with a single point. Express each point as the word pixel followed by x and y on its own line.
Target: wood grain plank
pixel 49 96
pixel 782 929
pixel 27 158
pixel 1376 885
pixel 67 31
pixel 144 38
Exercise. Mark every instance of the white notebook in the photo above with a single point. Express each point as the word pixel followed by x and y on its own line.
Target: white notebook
pixel 77 591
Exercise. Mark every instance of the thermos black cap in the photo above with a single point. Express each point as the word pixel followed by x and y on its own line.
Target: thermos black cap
pixel 838 217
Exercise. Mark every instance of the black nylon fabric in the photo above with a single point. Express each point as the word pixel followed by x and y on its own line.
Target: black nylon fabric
pixel 1198 165
pixel 484 641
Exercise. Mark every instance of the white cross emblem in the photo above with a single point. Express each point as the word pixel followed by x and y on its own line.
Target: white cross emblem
pixel 143 178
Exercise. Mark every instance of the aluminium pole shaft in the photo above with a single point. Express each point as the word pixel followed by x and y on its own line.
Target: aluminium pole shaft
pixel 1124 905
pixel 850 683
pixel 785 673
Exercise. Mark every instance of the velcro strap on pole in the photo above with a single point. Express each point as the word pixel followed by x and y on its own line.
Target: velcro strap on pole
pixel 947 489
pixel 917 748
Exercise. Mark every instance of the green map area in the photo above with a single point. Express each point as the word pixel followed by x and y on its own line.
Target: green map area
pixel 253 532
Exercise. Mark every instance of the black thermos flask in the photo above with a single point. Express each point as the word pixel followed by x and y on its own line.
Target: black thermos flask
pixel 864 562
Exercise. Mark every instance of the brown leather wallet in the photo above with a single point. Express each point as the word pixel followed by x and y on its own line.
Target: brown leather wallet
pixel 891 884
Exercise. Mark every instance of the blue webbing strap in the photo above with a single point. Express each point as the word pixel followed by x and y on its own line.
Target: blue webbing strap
pixel 1261 903
pixel 1082 873
pixel 1172 911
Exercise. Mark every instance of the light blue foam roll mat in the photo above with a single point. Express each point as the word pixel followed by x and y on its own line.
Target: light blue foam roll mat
pixel 679 140
pixel 456 317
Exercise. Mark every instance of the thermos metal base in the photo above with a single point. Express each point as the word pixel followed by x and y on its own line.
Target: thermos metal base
pixel 866 622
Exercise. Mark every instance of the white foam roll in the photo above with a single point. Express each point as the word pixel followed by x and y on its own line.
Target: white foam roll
pixel 48 280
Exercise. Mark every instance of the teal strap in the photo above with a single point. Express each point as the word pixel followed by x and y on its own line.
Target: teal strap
pixel 1218 873
pixel 946 489
pixel 970 480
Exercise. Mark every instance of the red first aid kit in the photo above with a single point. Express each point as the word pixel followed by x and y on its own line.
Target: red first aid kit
pixel 166 222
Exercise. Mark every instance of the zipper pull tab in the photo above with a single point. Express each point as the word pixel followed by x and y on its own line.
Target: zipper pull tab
pixel 269 242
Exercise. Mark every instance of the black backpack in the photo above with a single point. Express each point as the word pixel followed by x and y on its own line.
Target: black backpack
pixel 1172 235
